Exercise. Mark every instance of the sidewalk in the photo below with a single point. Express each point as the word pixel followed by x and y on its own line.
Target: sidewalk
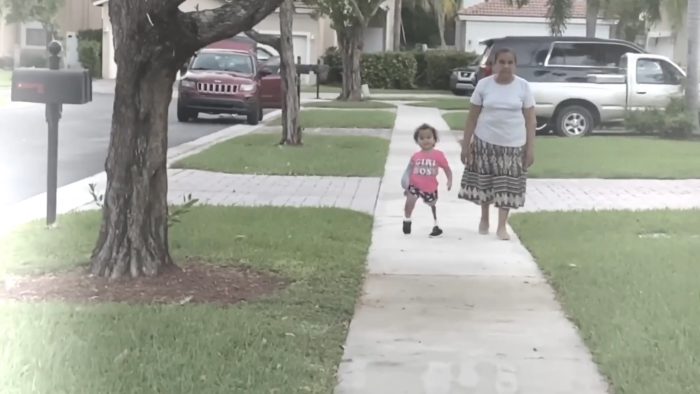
pixel 463 313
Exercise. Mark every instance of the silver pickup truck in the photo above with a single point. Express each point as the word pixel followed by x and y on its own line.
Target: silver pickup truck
pixel 577 108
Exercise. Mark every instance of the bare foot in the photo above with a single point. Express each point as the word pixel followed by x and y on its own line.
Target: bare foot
pixel 483 227
pixel 503 235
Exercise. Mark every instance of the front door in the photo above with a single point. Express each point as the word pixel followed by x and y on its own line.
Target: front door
pixel 655 82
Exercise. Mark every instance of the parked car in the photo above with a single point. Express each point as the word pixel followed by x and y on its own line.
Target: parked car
pixel 548 62
pixel 641 81
pixel 463 80
pixel 225 78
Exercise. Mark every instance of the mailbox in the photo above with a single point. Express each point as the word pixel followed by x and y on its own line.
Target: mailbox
pixel 37 85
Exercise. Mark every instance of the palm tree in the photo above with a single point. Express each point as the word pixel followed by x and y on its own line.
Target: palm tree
pixel 441 9
pixel 691 90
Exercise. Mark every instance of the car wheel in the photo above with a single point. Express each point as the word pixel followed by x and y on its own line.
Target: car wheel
pixel 574 121
pixel 260 117
pixel 185 115
pixel 543 128
pixel 253 115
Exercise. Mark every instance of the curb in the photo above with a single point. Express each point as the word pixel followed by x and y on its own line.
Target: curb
pixel 75 196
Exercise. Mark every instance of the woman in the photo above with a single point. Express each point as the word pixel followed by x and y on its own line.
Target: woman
pixel 498 145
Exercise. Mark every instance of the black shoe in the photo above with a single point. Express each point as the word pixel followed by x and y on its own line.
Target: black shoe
pixel 406 227
pixel 437 231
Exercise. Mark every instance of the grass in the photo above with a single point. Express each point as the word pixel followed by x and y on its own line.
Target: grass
pixel 320 155
pixel 285 343
pixel 341 119
pixel 446 104
pixel 633 298
pixel 5 79
pixel 336 89
pixel 366 104
pixel 456 120
pixel 616 158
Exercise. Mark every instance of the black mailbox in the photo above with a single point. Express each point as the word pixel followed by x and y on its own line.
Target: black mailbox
pixel 37 85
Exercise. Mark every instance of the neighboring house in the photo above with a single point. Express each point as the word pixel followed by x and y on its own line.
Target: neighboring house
pixel 481 20
pixel 665 39
pixel 17 39
pixel 312 36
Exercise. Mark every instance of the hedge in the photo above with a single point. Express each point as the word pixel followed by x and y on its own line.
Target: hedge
pixel 402 70
pixel 674 122
pixel 90 55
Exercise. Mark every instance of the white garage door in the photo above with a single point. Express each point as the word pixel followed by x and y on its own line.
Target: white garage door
pixel 301 49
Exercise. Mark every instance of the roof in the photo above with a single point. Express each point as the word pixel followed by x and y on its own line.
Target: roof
pixel 534 9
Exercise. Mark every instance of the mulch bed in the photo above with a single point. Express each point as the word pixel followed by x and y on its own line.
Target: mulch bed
pixel 194 283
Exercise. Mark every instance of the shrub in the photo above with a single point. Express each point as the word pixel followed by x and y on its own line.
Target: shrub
pixel 90 55
pixel 390 70
pixel 335 65
pixel 675 122
pixel 648 121
pixel 90 35
pixel 31 58
pixel 439 65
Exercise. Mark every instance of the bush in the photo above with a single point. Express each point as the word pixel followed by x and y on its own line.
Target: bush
pixel 390 70
pixel 33 58
pixel 439 65
pixel 675 122
pixel 90 35
pixel 335 65
pixel 90 55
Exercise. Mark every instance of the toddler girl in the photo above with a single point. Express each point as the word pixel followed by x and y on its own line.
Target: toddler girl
pixel 420 178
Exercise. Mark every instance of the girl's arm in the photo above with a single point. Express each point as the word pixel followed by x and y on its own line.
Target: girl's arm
pixel 448 171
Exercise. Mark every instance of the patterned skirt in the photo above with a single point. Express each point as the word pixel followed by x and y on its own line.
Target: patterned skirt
pixel 495 175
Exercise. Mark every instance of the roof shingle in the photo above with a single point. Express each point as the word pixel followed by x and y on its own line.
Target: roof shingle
pixel 534 9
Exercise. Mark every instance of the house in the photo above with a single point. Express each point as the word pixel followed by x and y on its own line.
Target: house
pixel 480 20
pixel 19 39
pixel 312 35
pixel 663 38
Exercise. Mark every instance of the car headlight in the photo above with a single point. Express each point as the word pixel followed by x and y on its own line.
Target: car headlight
pixel 187 83
pixel 249 87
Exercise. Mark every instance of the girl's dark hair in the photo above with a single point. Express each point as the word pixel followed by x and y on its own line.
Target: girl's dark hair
pixel 503 51
pixel 425 126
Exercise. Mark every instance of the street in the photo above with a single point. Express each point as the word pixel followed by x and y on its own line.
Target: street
pixel 83 143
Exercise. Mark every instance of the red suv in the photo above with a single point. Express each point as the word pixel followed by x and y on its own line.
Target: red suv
pixel 225 78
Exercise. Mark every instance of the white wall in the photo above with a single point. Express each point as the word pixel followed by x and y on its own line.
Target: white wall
pixel 479 30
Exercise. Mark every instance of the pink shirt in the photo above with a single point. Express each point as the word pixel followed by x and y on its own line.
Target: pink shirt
pixel 425 168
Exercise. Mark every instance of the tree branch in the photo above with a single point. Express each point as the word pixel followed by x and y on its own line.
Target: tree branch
pixel 205 27
pixel 358 11
pixel 267 39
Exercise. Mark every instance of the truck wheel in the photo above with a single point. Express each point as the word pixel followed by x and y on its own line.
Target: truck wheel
pixel 574 121
pixel 185 115
pixel 253 115
pixel 262 115
pixel 543 127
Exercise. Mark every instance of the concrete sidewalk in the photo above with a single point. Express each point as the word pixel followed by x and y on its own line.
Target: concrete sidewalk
pixel 463 313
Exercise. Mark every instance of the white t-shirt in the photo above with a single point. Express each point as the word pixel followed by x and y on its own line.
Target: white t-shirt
pixel 501 121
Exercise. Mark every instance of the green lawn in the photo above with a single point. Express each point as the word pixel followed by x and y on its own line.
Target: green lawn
pixel 447 104
pixel 615 157
pixel 358 119
pixel 456 120
pixel 5 78
pixel 320 155
pixel 285 343
pixel 634 298
pixel 336 89
pixel 366 104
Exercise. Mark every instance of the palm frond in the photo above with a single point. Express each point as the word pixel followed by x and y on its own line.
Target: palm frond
pixel 558 13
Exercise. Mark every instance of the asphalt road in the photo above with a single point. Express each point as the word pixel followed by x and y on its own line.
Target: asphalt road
pixel 83 142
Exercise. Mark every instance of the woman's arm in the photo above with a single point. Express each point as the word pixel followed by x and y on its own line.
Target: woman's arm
pixel 531 127
pixel 469 128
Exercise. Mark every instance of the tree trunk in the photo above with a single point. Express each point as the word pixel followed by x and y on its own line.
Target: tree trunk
pixel 291 131
pixel 440 16
pixel 691 88
pixel 592 11
pixel 398 24
pixel 351 42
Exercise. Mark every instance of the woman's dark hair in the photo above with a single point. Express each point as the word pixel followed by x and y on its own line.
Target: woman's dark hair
pixel 422 127
pixel 503 51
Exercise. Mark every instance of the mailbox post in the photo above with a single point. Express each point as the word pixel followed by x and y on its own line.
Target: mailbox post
pixel 53 115
pixel 53 87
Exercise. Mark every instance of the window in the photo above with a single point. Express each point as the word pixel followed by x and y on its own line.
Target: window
pixel 587 54
pixel 234 62
pixel 657 72
pixel 35 37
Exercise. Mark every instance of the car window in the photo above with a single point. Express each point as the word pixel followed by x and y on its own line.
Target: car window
pixel 235 62
pixel 657 72
pixel 263 55
pixel 588 54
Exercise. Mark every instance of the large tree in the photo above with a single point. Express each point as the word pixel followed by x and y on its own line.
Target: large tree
pixel 152 40
pixel 349 19
pixel 291 130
